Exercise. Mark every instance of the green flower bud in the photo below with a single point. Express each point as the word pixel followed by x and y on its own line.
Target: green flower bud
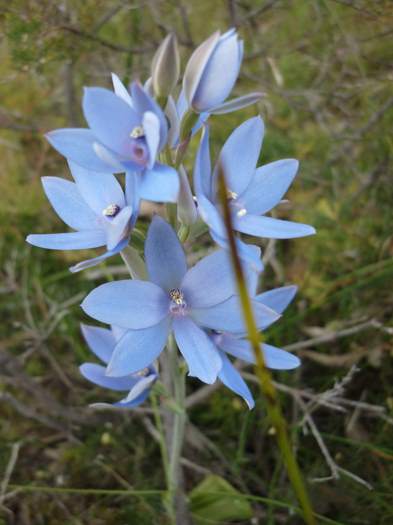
pixel 165 69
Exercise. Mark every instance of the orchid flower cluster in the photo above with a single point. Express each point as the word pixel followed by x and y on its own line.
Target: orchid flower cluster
pixel 134 149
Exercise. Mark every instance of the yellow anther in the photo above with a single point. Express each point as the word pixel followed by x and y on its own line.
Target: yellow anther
pixel 242 212
pixel 137 132
pixel 111 210
pixel 232 195
pixel 177 296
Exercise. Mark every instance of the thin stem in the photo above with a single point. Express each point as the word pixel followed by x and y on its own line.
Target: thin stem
pixel 265 380
pixel 168 499
pixel 177 434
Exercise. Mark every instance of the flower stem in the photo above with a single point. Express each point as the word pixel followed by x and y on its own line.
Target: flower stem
pixel 265 380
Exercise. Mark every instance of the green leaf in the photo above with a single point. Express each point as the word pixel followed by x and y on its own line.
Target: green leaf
pixel 215 500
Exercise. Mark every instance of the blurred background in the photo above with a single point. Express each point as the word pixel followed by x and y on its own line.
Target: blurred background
pixel 325 66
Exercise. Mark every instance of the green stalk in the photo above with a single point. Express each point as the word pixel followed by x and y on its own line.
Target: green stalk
pixel 265 380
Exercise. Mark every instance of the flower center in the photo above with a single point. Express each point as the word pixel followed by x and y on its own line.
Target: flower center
pixel 137 133
pixel 111 211
pixel 236 205
pixel 178 304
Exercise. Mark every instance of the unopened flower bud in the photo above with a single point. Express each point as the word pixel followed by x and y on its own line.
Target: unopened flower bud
pixel 165 67
pixel 212 71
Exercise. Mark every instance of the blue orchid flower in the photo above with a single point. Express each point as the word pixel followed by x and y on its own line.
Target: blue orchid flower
pixel 102 342
pixel 252 191
pixel 187 302
pixel 211 73
pixel 126 133
pixel 95 207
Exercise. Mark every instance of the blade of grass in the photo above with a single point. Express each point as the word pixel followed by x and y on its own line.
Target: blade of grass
pixel 265 380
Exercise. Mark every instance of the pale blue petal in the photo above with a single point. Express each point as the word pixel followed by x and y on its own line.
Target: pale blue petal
pixel 118 228
pixel 275 358
pixel 143 385
pixel 210 281
pixel 247 252
pixel 78 145
pixel 236 103
pixel 137 349
pixel 130 404
pixel 69 204
pixel 99 190
pixel 89 263
pixel 110 119
pixel 164 255
pixel 130 304
pixel 68 241
pixel 160 184
pixel 202 168
pixel 96 374
pixel 115 163
pixel 100 341
pixel 277 299
pixel 219 75
pixel 202 357
pixel 118 332
pixel 174 122
pixel 132 183
pixel 239 156
pixel 120 90
pixel 233 380
pixel 196 67
pixel 211 216
pixel 269 185
pixel 143 102
pixel 228 316
pixel 271 228
pixel 151 126
pixel 186 207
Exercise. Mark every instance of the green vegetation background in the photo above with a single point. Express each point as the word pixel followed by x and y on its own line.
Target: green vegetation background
pixel 325 66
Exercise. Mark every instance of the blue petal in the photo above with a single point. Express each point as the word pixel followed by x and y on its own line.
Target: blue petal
pixel 100 341
pixel 236 103
pixel 202 168
pixel 228 316
pixel 195 68
pixel 140 388
pixel 275 358
pixel 233 380
pixel 110 119
pixel 164 255
pixel 202 357
pixel 69 204
pixel 186 208
pixel 143 102
pixel 247 252
pixel 271 228
pixel 77 145
pixel 132 194
pixel 160 184
pixel 151 126
pixel 96 374
pixel 210 281
pixel 137 349
pixel 239 156
pixel 131 404
pixel 99 190
pixel 120 90
pixel 89 263
pixel 129 304
pixel 68 241
pixel 118 228
pixel 277 299
pixel 269 185
pixel 219 75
